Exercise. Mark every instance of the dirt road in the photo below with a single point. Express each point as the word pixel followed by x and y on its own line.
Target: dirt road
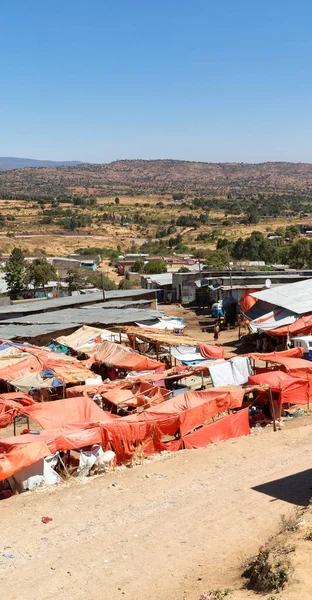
pixel 172 528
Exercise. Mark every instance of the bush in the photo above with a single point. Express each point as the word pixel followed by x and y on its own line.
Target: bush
pixel 155 267
pixel 126 284
pixel 266 575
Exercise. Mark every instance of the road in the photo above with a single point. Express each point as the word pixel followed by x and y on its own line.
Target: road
pixel 170 529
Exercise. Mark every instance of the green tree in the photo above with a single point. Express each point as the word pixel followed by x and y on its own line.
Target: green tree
pixel 300 254
pixel 127 284
pixel 95 279
pixel 39 272
pixel 75 279
pixel 155 266
pixel 15 272
pixel 138 266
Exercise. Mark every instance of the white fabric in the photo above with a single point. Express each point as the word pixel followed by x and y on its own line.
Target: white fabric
pixel 88 458
pixel 37 475
pixel 170 324
pixel 32 381
pixel 222 374
pixel 241 369
pixel 188 353
pixel 94 380
pixel 140 373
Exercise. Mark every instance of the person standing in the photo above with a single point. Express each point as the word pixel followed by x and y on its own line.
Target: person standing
pixel 216 330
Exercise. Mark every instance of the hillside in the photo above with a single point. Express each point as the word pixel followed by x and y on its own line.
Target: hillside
pixel 159 177
pixel 8 163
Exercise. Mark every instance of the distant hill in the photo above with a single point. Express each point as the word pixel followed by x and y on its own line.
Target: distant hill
pixel 135 177
pixel 7 163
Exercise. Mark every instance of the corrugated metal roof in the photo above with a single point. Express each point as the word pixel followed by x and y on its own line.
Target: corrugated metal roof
pixel 111 316
pixel 92 298
pixel 86 314
pixel 295 297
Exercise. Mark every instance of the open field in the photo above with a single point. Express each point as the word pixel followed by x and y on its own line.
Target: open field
pixel 173 528
pixel 29 231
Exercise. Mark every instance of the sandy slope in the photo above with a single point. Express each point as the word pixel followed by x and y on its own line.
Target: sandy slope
pixel 171 529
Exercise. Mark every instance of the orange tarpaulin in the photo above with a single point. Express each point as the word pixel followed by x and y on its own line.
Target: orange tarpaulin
pixel 195 408
pixel 68 437
pixel 51 415
pixel 292 390
pixel 270 356
pixel 114 355
pixel 302 326
pixel 12 405
pixel 207 351
pixel 247 301
pixel 19 456
pixel 231 426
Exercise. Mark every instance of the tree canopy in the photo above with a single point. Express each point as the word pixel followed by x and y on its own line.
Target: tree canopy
pixel 15 274
pixel 40 272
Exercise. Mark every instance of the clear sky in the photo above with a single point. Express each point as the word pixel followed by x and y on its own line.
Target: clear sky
pixel 197 80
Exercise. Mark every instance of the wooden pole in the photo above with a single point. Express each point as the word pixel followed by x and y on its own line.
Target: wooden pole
pixel 280 415
pixel 202 378
pixel 272 409
pixel 64 396
pixel 14 426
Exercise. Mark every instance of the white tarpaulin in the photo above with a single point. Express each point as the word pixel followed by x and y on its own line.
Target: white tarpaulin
pixel 187 353
pixel 230 372
pixel 272 320
pixel 163 324
pixel 37 475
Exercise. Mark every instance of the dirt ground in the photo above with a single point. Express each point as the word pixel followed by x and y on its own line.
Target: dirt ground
pixel 175 527
pixel 199 325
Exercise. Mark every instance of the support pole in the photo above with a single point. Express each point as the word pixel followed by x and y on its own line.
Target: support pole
pixel 272 409
pixel 103 290
pixel 14 426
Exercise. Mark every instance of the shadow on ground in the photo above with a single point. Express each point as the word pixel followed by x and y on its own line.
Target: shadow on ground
pixel 295 489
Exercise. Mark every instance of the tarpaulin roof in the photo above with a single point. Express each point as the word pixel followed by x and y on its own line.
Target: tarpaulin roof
pixel 18 456
pixel 302 325
pixel 51 415
pixel 270 356
pixel 12 405
pixel 247 301
pixel 112 354
pixel 195 408
pixel 279 317
pixel 231 426
pixel 295 297
pixel 208 351
pixel 292 390
pixel 35 381
pixel 86 335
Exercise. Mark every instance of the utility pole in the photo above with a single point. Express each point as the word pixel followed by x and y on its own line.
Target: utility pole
pixel 228 258
pixel 103 289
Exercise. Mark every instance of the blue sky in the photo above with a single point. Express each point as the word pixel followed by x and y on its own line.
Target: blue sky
pixel 195 80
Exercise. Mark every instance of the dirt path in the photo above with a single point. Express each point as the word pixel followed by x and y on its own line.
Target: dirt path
pixel 170 529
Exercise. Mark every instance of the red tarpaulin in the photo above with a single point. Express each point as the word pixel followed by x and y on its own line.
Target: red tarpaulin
pixel 195 408
pixel 68 437
pixel 231 426
pixel 51 415
pixel 19 456
pixel 114 355
pixel 302 326
pixel 12 405
pixel 207 351
pixel 292 390
pixel 270 356
pixel 247 301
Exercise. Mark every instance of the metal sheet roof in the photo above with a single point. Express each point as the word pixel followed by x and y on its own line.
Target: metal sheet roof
pixel 295 297
pixel 92 298
pixel 96 313
pixel 111 316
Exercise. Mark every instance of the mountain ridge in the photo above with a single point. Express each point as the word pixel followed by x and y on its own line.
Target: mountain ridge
pixel 9 163
pixel 162 176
